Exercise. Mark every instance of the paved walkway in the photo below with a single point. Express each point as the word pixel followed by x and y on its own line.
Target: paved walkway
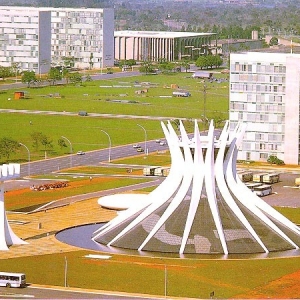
pixel 38 229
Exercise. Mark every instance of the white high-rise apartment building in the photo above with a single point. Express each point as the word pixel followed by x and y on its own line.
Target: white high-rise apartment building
pixel 25 38
pixel 265 94
pixel 87 34
pixel 38 37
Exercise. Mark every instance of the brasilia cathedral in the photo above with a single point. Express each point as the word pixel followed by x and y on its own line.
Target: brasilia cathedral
pixel 202 207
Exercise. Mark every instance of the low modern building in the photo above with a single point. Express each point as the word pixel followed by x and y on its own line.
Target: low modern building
pixel 36 38
pixel 158 45
pixel 265 94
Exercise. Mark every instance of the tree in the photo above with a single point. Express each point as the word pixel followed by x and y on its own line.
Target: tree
pixel 68 61
pixel 88 78
pixel 54 75
pixel 75 78
pixel 28 77
pixel 166 66
pixel 185 64
pixel 36 138
pixel 147 67
pixel 217 60
pixel 6 72
pixel 61 143
pixel 273 41
pixel 202 62
pixel 273 159
pixel 8 146
pixel 46 142
pixel 91 62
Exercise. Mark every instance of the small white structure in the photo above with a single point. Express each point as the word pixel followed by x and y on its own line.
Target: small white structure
pixel 7 236
pixel 202 206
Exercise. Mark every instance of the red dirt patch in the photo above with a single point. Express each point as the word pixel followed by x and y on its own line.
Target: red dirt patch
pixel 286 287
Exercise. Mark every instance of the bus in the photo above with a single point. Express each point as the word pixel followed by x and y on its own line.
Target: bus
pixel 271 178
pixel 12 279
pixel 245 176
pixel 262 190
pixel 252 185
pixel 259 177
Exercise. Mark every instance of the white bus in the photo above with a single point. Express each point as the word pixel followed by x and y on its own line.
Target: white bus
pixel 12 279
pixel 262 190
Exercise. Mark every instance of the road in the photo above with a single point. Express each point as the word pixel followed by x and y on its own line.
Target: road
pixel 64 293
pixel 93 76
pixel 91 158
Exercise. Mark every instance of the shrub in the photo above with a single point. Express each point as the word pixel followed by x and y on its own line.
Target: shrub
pixel 273 159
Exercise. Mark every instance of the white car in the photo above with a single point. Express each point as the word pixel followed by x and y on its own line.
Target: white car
pixel 162 143
pixel 136 146
pixel 80 153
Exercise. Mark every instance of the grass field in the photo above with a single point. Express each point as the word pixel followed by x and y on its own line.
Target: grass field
pixel 185 278
pixel 98 97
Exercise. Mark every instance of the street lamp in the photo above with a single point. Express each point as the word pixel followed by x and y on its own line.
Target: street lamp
pixel 204 100
pixel 66 271
pixel 71 149
pixel 109 148
pixel 166 281
pixel 146 150
pixel 28 157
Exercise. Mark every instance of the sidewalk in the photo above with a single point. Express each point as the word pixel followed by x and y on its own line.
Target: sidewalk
pixel 269 167
pixel 38 229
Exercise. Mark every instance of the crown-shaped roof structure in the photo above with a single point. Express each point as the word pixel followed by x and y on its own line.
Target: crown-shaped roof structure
pixel 202 207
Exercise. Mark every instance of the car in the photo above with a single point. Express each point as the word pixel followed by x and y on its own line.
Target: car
pixel 136 146
pixel 82 113
pixel 140 149
pixel 80 153
pixel 162 143
pixel 157 141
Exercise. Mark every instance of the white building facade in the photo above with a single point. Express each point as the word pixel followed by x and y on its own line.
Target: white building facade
pixel 158 45
pixel 265 94
pixel 25 38
pixel 37 38
pixel 86 34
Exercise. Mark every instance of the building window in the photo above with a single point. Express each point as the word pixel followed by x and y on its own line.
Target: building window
pixel 263 155
pixel 248 156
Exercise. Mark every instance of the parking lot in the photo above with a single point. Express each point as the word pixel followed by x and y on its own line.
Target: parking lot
pixel 285 192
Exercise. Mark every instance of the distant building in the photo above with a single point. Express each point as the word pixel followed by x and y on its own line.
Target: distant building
pixel 35 38
pixel 83 33
pixel 157 45
pixel 25 38
pixel 265 94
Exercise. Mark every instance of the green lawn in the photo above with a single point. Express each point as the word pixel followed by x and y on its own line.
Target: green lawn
pixel 185 278
pixel 85 132
pixel 97 96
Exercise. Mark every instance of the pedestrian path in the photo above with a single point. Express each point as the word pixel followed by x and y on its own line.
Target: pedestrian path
pixel 38 229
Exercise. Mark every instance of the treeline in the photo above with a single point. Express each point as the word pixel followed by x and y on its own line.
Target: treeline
pixel 39 141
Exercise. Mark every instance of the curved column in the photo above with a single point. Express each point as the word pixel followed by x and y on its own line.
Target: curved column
pixel 210 186
pixel 7 236
pixel 238 189
pixel 183 189
pixel 163 192
pixel 220 178
pixel 198 171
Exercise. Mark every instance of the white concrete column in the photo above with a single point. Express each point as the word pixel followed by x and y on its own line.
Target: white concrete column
pixel 7 236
